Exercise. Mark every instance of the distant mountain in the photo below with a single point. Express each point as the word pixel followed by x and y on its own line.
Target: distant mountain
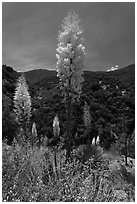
pixel 46 78
pixel 126 75
pixel 124 71
pixel 42 77
pixel 37 75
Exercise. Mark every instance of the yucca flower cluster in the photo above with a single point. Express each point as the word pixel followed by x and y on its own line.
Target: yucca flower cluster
pixel 22 108
pixel 70 63
pixel 34 130
pixel 34 133
pixel 22 101
pixel 70 53
pixel 56 128
pixel 96 141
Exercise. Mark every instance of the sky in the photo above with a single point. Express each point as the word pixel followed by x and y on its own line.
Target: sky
pixel 30 30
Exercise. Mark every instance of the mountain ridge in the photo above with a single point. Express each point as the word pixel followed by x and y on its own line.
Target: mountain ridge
pixel 36 75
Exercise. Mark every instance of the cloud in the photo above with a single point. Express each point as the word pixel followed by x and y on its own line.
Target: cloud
pixel 30 33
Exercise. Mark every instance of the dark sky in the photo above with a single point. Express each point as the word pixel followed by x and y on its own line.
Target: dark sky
pixel 29 33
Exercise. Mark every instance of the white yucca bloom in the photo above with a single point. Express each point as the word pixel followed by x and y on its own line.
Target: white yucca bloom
pixel 22 102
pixel 34 134
pixel 93 141
pixel 34 130
pixel 70 53
pixel 56 128
pixel 87 115
pixel 97 140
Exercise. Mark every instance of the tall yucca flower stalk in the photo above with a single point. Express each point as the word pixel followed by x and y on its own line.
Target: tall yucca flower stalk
pixel 34 133
pixel 70 63
pixel 56 128
pixel 22 104
pixel 56 132
pixel 87 118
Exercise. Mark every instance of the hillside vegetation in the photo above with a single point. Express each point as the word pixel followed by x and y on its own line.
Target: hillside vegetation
pixel 95 172
pixel 110 95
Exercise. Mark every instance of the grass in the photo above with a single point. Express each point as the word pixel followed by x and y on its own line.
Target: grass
pixel 32 175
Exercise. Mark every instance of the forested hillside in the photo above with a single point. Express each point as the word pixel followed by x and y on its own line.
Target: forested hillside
pixel 110 95
pixel 37 75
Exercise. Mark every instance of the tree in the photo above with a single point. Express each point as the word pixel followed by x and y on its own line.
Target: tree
pixel 87 119
pixel 70 63
pixel 126 137
pixel 8 123
pixel 22 105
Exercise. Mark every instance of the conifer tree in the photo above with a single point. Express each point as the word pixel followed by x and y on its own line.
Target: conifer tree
pixel 70 63
pixel 22 105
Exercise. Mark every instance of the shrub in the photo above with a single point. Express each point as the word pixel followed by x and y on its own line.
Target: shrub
pixel 32 175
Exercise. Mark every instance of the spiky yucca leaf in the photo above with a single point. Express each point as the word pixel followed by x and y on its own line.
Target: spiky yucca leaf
pixel 92 152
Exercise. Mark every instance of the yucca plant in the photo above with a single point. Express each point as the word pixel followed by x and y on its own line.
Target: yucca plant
pixel 22 107
pixel 56 128
pixel 34 134
pixel 70 63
